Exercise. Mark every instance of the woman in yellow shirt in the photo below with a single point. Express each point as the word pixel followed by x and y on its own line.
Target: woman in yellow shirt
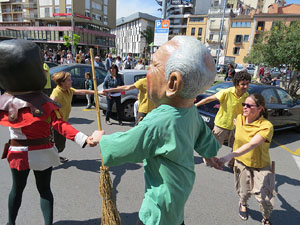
pixel 63 94
pixel 253 173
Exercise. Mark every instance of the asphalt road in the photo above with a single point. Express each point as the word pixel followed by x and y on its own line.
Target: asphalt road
pixel 213 201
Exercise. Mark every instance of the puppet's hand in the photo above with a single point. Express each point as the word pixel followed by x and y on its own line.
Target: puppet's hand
pixel 90 141
pixel 97 135
pixel 214 162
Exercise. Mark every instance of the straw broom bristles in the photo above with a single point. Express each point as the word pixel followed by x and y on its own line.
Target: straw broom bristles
pixel 110 214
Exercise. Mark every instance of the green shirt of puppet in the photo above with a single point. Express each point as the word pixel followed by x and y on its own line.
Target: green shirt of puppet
pixel 168 160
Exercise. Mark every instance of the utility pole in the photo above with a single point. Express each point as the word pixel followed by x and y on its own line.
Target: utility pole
pixel 221 32
pixel 72 33
pixel 164 9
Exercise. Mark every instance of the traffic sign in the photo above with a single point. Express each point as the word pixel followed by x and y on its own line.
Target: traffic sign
pixel 161 33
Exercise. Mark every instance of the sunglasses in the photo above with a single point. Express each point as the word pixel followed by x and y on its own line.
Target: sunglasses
pixel 248 105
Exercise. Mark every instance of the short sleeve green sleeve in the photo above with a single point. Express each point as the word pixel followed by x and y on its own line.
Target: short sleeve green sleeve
pixel 206 144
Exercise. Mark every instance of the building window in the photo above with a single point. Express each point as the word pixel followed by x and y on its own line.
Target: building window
pixel 56 9
pixel 69 9
pixel 238 39
pixel 56 2
pixel 87 13
pixel 260 25
pixel 241 24
pixel 246 38
pixel 105 2
pixel 105 10
pixel 196 19
pixel 68 2
pixel 93 16
pixel 236 50
pixel 211 37
pixel 87 4
pixel 216 3
pixel 47 12
pixel 193 31
pixel 200 31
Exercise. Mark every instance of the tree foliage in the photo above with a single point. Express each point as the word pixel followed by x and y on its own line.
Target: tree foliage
pixel 148 34
pixel 68 40
pixel 280 45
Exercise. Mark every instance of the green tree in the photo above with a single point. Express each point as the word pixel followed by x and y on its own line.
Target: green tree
pixel 68 40
pixel 280 45
pixel 148 34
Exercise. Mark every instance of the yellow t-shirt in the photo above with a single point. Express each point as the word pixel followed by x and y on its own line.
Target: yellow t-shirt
pixel 258 157
pixel 46 69
pixel 230 107
pixel 145 104
pixel 64 98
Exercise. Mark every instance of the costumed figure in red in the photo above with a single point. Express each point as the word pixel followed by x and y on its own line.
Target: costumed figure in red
pixel 29 113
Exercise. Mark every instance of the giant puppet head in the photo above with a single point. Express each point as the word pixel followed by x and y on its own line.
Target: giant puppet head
pixel 21 66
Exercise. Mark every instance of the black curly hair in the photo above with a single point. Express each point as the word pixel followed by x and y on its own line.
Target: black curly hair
pixel 241 75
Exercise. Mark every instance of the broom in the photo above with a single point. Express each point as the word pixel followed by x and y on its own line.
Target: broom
pixel 110 214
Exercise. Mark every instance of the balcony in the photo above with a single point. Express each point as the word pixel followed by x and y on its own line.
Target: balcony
pixel 215 26
pixel 17 10
pixel 213 42
pixel 29 6
pixel 29 16
pixel 7 10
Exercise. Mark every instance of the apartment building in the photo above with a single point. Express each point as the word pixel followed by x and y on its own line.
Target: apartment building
pixel 196 26
pixel 239 37
pixel 47 21
pixel 128 33
pixel 178 12
pixel 245 29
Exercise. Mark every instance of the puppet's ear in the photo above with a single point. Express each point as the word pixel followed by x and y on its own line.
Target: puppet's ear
pixel 175 84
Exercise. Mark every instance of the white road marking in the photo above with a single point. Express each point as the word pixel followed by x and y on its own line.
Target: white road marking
pixel 297 160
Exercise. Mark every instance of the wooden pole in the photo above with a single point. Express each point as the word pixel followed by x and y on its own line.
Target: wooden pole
pixel 110 214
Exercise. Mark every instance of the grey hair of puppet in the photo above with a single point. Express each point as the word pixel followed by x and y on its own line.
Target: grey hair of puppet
pixel 188 59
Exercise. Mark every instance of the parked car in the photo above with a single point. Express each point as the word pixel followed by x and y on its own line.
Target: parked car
pixel 77 74
pixel 250 69
pixel 239 67
pixel 275 72
pixel 222 68
pixel 51 64
pixel 128 98
pixel 284 112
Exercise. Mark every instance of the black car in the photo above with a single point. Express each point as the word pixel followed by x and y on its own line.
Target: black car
pixel 283 110
pixel 77 72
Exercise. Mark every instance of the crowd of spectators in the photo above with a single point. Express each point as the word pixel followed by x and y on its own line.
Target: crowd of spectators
pixel 66 57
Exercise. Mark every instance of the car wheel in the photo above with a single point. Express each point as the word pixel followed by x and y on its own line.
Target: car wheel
pixel 128 110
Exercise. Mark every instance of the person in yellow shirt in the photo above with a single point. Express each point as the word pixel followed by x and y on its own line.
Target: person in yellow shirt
pixel 47 88
pixel 231 100
pixel 253 173
pixel 145 105
pixel 63 94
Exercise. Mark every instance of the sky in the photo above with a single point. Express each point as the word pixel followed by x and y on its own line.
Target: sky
pixel 128 7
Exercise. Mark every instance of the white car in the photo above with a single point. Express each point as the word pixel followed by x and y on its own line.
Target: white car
pixel 128 98
pixel 239 67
